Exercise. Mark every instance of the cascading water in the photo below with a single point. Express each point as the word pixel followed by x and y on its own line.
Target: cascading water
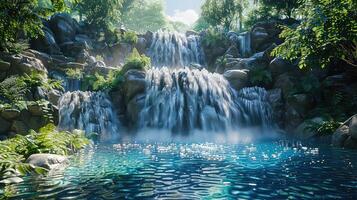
pixel 175 50
pixel 186 99
pixel 89 111
pixel 245 44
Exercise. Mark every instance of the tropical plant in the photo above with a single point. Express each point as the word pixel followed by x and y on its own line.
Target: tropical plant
pixel 14 151
pixel 74 73
pixel 214 38
pixel 223 13
pixel 22 19
pixel 130 37
pixel 326 34
pixel 325 128
pixel 285 7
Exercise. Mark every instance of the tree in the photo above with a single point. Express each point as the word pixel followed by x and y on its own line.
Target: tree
pixel 200 24
pixel 100 13
pixel 285 7
pixel 145 16
pixel 23 18
pixel 327 33
pixel 222 12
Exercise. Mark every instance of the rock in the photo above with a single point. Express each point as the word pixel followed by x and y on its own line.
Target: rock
pixel 39 93
pixel 24 64
pixel 267 53
pixel 237 78
pixel 259 37
pixel 47 161
pixel 148 37
pixel 135 83
pixel 302 103
pixel 275 98
pixel 134 107
pixel 84 39
pixel 350 143
pixel 302 132
pixel 53 96
pixel 73 49
pixel 19 127
pixel 141 45
pixel 63 27
pixel 284 82
pixel 191 32
pixel 340 136
pixel 292 118
pixel 353 127
pixel 12 180
pixel 10 114
pixel 279 66
pixel 118 53
pixel 45 43
pixel 73 65
pixel 4 126
pixel 233 51
pixel 35 109
pixel 4 66
pixel 233 37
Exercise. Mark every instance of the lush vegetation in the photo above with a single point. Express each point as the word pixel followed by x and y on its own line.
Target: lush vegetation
pixel 15 151
pixel 22 19
pixel 326 34
pixel 116 77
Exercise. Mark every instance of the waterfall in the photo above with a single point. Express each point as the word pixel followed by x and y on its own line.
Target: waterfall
pixel 175 50
pixel 184 99
pixel 88 111
pixel 245 44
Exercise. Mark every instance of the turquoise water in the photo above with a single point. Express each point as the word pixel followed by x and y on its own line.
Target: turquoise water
pixel 262 170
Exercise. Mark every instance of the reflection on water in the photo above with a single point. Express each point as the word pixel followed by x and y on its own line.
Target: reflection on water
pixel 265 170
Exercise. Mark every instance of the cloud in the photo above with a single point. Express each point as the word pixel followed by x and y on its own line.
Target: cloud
pixel 186 16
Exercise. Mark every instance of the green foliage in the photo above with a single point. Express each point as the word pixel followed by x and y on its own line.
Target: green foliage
pixel 23 18
pixel 130 37
pixel 259 14
pixel 100 13
pixel 39 80
pixel 14 151
pixel 325 128
pixel 222 13
pixel 326 34
pixel 260 76
pixel 177 26
pixel 145 15
pixel 201 24
pixel 214 39
pixel 74 73
pixel 116 77
pixel 285 7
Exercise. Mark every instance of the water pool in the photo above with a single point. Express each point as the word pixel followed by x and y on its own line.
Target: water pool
pixel 263 170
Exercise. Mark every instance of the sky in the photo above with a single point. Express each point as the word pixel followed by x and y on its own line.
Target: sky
pixel 186 11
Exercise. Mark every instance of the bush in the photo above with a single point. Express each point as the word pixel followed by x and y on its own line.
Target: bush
pixel 324 128
pixel 116 77
pixel 14 151
pixel 214 39
pixel 130 37
pixel 74 73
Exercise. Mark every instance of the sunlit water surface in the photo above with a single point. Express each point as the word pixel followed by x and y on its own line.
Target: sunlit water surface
pixel 263 170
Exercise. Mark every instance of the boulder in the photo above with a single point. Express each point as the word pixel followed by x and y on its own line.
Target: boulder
pixel 63 27
pixel 342 134
pixel 280 66
pixel 47 161
pixel 24 64
pixel 275 97
pixel 53 96
pixel 4 125
pixel 12 180
pixel 302 132
pixel 259 37
pixel 4 66
pixel 35 109
pixel 141 45
pixel 292 118
pixel 19 127
pixel 233 51
pixel 134 107
pixel 267 52
pixel 10 114
pixel 84 39
pixel 350 143
pixel 237 78
pixel 353 127
pixel 302 103
pixel 148 37
pixel 285 82
pixel 117 54
pixel 46 42
pixel 135 83
pixel 73 49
